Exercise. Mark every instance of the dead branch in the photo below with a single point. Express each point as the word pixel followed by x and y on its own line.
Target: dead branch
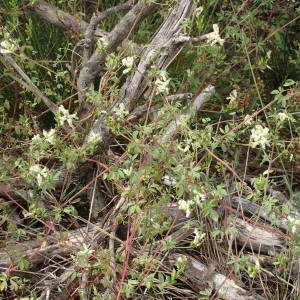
pixel 95 64
pixel 175 125
pixel 202 277
pixel 249 207
pixel 62 19
pixel 257 238
pixel 26 81
pixel 95 20
pixel 160 52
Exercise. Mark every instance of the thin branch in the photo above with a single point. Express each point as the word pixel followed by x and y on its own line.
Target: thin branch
pixel 175 125
pixel 182 96
pixel 95 20
pixel 121 31
pixel 61 19
pixel 26 81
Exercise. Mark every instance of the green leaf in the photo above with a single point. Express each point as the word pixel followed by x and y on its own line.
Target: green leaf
pixel 289 82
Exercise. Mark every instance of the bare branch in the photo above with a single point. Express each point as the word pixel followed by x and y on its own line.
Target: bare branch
pixel 61 19
pixel 95 20
pixel 175 125
pixel 121 31
pixel 161 51
pixel 203 278
pixel 28 83
pixel 182 96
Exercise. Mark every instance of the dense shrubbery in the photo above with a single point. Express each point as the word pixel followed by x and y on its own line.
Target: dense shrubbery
pixel 244 141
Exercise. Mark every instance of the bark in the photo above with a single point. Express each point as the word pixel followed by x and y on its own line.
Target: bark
pixel 160 52
pixel 254 238
pixel 257 238
pixel 122 30
pixel 62 19
pixel 251 208
pixel 203 278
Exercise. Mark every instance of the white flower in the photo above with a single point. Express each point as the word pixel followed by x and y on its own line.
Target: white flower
pixel 128 171
pixel 35 169
pixel 102 44
pixel 39 173
pixel 93 138
pixel 49 136
pixel 162 82
pixel 181 261
pixel 182 120
pixel 199 197
pixel 232 99
pixel 259 137
pixel 267 172
pixel 199 10
pixel 214 37
pixel 184 149
pixel 294 224
pixel 7 46
pixel 282 117
pixel 36 139
pixel 65 116
pixel 128 63
pixel 167 180
pixel 186 206
pixel 248 120
pixel 121 111
pixel 198 237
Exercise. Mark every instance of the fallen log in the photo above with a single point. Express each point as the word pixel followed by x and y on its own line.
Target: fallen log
pixel 253 237
pixel 203 278
pixel 248 207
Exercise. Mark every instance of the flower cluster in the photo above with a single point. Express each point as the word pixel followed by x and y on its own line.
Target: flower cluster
pixel 198 237
pixel 64 115
pixel 40 172
pixel 248 120
pixel 282 116
pixel 7 46
pixel 128 63
pixel 214 38
pixel 188 205
pixel 167 180
pixel 102 44
pixel 199 197
pixel 48 136
pixel 162 82
pixel 93 138
pixel 232 99
pixel 121 111
pixel 294 224
pixel 259 137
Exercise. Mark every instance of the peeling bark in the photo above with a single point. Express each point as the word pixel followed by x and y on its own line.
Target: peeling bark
pixel 121 31
pixel 62 19
pixel 202 278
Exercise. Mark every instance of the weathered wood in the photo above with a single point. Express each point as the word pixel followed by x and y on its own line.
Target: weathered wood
pixel 160 51
pixel 248 207
pixel 62 19
pixel 202 278
pixel 95 63
pixel 257 238
pixel 61 243
pixel 252 237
